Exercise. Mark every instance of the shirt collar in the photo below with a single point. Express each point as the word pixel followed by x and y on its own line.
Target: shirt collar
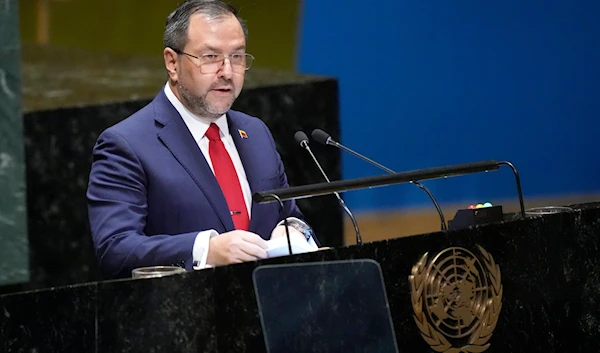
pixel 196 124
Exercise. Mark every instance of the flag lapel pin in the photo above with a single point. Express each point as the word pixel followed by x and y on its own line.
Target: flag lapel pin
pixel 243 134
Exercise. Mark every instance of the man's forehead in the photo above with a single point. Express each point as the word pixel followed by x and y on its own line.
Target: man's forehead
pixel 209 23
pixel 204 31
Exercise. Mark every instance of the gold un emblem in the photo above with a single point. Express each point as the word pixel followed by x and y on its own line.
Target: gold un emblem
pixel 456 299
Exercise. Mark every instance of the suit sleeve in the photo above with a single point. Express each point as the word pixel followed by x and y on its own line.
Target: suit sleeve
pixel 117 209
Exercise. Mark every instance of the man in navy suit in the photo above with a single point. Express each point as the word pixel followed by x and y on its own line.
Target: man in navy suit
pixel 172 184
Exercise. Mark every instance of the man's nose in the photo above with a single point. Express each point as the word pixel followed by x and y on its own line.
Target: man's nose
pixel 226 69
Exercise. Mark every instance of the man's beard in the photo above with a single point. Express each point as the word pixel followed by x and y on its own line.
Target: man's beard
pixel 199 105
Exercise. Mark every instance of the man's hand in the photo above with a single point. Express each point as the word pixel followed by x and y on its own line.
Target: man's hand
pixel 235 247
pixel 279 231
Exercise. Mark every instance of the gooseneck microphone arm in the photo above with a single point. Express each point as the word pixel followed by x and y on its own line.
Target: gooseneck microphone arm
pixel 324 138
pixel 518 181
pixel 302 139
pixel 285 221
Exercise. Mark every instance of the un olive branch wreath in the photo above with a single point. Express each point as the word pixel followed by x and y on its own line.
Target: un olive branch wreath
pixel 491 310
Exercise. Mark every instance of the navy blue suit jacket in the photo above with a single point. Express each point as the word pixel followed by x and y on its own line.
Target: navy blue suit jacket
pixel 151 190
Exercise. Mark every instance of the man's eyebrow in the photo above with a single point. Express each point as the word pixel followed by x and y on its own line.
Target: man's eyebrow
pixel 211 48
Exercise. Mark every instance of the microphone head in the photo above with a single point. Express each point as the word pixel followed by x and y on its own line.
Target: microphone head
pixel 301 138
pixel 320 136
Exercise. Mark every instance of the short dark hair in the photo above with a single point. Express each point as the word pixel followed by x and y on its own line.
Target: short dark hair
pixel 176 29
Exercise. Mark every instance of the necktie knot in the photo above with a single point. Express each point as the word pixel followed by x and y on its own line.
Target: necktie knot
pixel 213 133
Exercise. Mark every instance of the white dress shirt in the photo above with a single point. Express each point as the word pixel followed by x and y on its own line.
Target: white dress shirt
pixel 198 127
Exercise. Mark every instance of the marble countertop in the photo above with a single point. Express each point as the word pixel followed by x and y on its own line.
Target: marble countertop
pixel 54 77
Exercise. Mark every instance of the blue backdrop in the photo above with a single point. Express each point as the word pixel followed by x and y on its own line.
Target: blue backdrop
pixel 431 83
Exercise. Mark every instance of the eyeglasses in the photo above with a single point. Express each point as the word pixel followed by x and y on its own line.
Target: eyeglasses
pixel 211 63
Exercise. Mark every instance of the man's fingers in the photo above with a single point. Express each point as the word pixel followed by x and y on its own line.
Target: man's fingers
pixel 254 239
pixel 254 250
pixel 239 246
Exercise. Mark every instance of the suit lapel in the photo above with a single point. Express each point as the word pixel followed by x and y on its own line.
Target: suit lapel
pixel 175 135
pixel 248 155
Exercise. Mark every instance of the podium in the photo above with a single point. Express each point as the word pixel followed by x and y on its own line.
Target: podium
pixel 548 269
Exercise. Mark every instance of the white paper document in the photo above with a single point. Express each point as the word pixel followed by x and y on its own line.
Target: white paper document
pixel 279 246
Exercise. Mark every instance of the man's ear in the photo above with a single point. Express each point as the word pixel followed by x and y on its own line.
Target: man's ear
pixel 171 64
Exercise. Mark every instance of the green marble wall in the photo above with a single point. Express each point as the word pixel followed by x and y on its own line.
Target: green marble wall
pixel 14 253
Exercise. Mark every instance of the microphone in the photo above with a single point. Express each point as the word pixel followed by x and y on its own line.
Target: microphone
pixel 322 137
pixel 302 139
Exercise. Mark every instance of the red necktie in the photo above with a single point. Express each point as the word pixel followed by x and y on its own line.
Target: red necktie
pixel 227 178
